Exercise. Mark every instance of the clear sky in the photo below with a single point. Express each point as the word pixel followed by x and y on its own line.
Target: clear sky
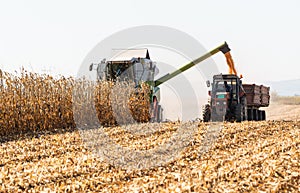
pixel 56 35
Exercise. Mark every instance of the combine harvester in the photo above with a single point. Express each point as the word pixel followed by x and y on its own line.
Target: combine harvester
pixel 135 65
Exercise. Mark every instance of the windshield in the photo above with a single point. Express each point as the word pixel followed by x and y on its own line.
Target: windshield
pixel 121 71
pixel 221 86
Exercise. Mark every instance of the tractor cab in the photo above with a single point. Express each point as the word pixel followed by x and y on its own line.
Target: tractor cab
pixel 226 97
pixel 226 87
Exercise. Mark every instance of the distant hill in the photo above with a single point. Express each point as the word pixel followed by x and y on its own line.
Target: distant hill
pixel 286 88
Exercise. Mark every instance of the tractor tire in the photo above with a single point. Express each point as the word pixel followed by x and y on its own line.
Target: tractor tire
pixel 238 113
pixel 206 113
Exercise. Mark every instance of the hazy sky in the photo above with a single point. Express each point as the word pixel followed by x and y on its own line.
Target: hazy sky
pixel 56 35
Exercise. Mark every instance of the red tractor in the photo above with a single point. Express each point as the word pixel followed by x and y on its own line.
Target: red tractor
pixel 228 100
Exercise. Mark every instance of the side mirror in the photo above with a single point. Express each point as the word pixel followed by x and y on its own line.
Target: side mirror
pixel 91 67
pixel 208 83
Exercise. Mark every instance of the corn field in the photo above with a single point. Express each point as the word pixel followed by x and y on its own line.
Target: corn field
pixel 122 103
pixel 34 102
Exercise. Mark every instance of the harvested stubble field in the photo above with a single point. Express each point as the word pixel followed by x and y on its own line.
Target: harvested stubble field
pixel 250 156
pixel 284 108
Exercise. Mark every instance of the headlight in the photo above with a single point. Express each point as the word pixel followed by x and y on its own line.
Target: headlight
pixel 218 103
pixel 224 103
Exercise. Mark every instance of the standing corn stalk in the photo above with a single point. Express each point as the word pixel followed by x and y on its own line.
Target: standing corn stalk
pixel 35 102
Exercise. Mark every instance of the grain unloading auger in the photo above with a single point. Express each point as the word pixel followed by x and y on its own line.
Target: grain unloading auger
pixel 136 66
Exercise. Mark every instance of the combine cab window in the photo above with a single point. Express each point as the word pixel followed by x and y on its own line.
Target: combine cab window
pixel 122 71
pixel 144 70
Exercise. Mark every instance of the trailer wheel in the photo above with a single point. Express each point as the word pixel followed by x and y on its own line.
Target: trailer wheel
pixel 245 112
pixel 263 115
pixel 255 115
pixel 206 113
pixel 259 115
pixel 238 113
pixel 250 114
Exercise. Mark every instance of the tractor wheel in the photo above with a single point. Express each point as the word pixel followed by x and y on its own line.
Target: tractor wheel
pixel 206 113
pixel 239 113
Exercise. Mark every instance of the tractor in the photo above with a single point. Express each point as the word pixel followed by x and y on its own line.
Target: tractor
pixel 227 99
